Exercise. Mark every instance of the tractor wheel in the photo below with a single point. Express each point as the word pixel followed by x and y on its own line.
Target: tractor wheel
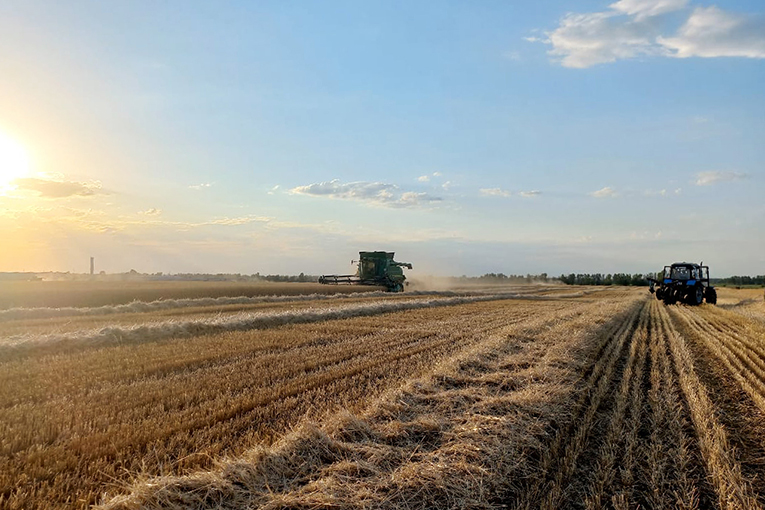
pixel 669 298
pixel 696 296
pixel 711 295
pixel 659 294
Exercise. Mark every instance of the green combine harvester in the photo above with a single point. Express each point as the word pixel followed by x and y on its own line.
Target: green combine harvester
pixel 374 268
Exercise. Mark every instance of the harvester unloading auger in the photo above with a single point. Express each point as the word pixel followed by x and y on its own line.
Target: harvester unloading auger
pixel 374 268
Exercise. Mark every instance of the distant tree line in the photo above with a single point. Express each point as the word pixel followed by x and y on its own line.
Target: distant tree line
pixel 503 278
pixel 740 280
pixel 607 279
pixel 288 278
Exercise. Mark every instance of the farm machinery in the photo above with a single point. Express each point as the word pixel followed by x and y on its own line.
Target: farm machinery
pixel 684 282
pixel 374 268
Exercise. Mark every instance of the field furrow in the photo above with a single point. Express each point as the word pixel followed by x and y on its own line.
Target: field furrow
pixel 618 436
pixel 463 436
pixel 735 408
pixel 221 394
pixel 747 366
pixel 733 490
pixel 673 481
pixel 560 460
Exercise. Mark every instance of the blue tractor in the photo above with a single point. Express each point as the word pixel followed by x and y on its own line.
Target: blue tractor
pixel 684 282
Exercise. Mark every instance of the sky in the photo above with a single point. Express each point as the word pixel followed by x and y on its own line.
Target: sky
pixel 468 137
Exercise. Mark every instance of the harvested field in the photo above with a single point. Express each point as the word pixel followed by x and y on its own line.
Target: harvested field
pixel 531 398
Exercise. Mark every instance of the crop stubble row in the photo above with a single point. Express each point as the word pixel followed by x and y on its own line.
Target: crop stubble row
pixel 71 423
pixel 577 404
pixel 621 415
pixel 452 439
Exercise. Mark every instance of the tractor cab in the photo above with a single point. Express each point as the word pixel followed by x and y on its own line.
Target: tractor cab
pixel 684 282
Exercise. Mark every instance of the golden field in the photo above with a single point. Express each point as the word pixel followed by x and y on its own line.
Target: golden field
pixel 524 397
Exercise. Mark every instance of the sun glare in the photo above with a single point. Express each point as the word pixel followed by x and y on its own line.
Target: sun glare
pixel 14 160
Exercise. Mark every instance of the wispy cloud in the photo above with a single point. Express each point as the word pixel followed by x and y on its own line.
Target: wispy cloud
pixel 495 192
pixel 203 185
pixel 151 212
pixel 428 177
pixel 711 32
pixel 642 9
pixel 273 190
pixel 713 177
pixel 499 192
pixel 47 188
pixel 378 193
pixel 633 28
pixel 606 192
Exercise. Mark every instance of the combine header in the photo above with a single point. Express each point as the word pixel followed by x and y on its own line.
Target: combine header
pixel 374 268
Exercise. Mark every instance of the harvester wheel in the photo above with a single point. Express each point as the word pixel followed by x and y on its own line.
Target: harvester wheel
pixel 696 296
pixel 711 295
pixel 398 288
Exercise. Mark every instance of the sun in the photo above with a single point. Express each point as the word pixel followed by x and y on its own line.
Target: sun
pixel 14 160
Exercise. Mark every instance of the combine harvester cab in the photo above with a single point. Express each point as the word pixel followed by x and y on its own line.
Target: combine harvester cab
pixel 374 268
pixel 684 282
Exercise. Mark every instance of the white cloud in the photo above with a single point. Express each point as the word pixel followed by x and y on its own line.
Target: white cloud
pixel 48 188
pixel 530 194
pixel 710 32
pixel 426 178
pixel 606 192
pixel 447 185
pixel 495 192
pixel 151 212
pixel 712 177
pixel 373 192
pixel 647 8
pixel 412 199
pixel 273 190
pixel 201 186
pixel 633 28
pixel 584 40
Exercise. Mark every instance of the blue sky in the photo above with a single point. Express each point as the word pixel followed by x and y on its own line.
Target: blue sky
pixel 469 137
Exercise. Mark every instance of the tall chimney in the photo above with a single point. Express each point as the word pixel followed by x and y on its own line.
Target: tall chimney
pixel 92 265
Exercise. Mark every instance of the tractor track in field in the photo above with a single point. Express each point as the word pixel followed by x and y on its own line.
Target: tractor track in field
pixel 561 456
pixel 727 361
pixel 651 429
